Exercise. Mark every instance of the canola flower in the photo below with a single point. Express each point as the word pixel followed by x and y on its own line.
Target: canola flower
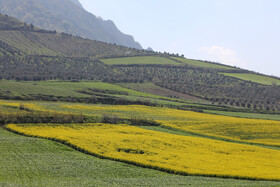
pixel 167 152
pixel 241 129
pixel 265 132
pixel 30 106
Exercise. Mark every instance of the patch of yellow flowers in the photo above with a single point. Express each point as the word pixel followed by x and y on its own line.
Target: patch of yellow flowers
pixel 247 130
pixel 30 106
pixel 167 152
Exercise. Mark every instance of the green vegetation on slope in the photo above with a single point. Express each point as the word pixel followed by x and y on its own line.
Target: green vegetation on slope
pixel 140 60
pixel 151 88
pixel 75 59
pixel 262 79
pixel 96 92
pixel 9 23
pixel 52 44
pixel 245 115
pixel 202 64
pixel 71 89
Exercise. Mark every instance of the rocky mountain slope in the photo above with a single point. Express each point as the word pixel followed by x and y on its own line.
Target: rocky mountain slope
pixel 66 16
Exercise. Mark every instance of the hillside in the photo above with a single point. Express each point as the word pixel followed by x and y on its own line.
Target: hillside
pixel 32 54
pixel 66 16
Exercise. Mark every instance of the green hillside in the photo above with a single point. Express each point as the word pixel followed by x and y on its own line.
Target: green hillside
pixel 36 55
pixel 53 44
pixel 33 54
pixel 140 60
pixel 202 64
pixel 262 79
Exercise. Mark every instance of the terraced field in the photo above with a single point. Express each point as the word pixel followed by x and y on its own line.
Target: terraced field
pixel 59 88
pixel 246 115
pixel 201 63
pixel 53 90
pixel 139 60
pixel 154 89
pixel 52 44
pixel 255 78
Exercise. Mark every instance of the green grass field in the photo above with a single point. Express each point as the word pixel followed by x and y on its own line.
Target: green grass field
pixel 246 115
pixel 28 161
pixel 202 64
pixel 151 88
pixel 255 78
pixel 140 60
pixel 71 89
pixel 59 88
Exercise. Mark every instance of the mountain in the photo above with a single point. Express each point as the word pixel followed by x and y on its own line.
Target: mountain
pixel 31 40
pixel 66 16
pixel 31 53
pixel 77 2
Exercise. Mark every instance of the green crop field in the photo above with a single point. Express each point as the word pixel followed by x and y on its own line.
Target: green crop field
pixel 245 115
pixel 151 88
pixel 140 60
pixel 255 78
pixel 29 89
pixel 28 161
pixel 59 88
pixel 202 64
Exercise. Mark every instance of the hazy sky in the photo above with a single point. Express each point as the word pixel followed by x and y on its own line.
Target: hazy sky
pixel 243 33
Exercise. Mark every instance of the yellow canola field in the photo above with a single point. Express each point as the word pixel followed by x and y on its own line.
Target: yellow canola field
pixel 252 131
pixel 192 155
pixel 248 130
pixel 30 106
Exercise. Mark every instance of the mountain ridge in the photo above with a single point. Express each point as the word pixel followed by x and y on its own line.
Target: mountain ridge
pixel 77 2
pixel 66 16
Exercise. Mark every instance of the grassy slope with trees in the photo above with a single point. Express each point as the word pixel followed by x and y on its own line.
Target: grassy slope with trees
pixel 29 53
